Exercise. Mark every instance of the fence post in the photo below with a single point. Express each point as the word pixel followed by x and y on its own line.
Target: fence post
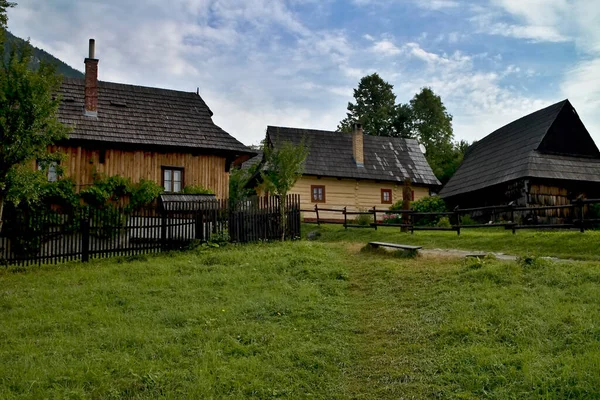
pixel 85 238
pixel 581 212
pixel 512 216
pixel 412 223
pixel 163 230
pixel 317 211
pixel 375 217
pixel 345 219
pixel 457 214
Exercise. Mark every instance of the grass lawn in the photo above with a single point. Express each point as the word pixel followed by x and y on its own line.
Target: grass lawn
pixel 556 243
pixel 303 319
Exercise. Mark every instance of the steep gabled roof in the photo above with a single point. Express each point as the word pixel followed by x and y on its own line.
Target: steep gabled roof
pixel 145 116
pixel 550 143
pixel 385 158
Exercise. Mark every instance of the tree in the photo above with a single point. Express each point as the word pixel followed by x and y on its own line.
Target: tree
pixel 28 120
pixel 375 108
pixel 451 163
pixel 284 165
pixel 431 125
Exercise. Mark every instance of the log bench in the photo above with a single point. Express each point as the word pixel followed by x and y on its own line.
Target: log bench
pixel 395 246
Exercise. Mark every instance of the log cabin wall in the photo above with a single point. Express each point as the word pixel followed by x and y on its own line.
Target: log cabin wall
pixel 354 194
pixel 207 170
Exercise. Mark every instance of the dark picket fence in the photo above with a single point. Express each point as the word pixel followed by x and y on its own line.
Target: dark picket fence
pixel 578 215
pixel 84 233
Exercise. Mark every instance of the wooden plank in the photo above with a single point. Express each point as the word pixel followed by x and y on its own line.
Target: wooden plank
pixel 394 245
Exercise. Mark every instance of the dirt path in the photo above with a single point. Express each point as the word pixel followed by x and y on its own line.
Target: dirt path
pixel 465 253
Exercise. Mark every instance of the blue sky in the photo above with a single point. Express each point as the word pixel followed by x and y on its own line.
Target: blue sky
pixel 295 62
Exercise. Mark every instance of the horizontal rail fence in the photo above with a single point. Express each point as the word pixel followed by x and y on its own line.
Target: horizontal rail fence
pixel 581 214
pixel 84 233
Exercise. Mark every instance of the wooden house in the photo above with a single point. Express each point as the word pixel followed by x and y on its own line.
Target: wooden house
pixel 354 170
pixel 543 159
pixel 167 136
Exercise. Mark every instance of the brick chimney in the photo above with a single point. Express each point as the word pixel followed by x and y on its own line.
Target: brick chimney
pixel 91 82
pixel 357 145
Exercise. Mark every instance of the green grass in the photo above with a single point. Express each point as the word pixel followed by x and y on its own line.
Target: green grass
pixel 258 321
pixel 555 243
pixel 297 320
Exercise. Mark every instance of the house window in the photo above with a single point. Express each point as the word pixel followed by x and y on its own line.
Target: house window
pixel 386 196
pixel 412 195
pixel 172 179
pixel 317 194
pixel 102 157
pixel 52 173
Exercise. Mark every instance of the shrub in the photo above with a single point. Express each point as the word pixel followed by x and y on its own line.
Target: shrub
pixel 467 220
pixel 444 222
pixel 428 204
pixel 196 189
pixel 143 193
pixel 363 219
pixel 392 218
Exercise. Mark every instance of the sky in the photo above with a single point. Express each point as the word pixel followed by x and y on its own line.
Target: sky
pixel 296 62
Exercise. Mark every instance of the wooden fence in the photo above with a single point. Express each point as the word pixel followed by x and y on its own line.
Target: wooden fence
pixel 577 215
pixel 84 233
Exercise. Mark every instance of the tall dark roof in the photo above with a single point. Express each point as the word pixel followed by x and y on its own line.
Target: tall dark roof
pixel 550 143
pixel 145 116
pixel 385 158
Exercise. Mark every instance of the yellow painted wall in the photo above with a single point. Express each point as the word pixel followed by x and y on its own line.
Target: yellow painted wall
pixel 355 194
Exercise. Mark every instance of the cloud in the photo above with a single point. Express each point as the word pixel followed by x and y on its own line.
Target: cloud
pixel 281 62
pixel 437 4
pixel 386 47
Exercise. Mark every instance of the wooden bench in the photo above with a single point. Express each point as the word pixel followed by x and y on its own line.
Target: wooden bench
pixel 395 246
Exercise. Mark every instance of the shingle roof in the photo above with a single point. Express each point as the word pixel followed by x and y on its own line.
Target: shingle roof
pixel 254 160
pixel 530 147
pixel 385 158
pixel 144 116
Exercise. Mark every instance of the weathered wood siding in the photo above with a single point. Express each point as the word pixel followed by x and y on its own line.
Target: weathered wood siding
pixel 354 194
pixel 207 170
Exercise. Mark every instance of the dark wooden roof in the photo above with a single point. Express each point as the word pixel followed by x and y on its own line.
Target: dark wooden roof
pixel 551 143
pixel 144 116
pixel 385 158
pixel 254 160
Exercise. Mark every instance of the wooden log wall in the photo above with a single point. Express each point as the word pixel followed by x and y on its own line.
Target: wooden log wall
pixel 354 194
pixel 207 170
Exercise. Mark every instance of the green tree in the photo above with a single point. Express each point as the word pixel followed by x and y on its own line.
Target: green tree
pixel 375 108
pixel 28 119
pixel 450 163
pixel 284 164
pixel 431 125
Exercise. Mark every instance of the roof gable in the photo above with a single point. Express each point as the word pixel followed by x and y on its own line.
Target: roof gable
pixel 144 116
pixel 385 158
pixel 523 148
pixel 568 136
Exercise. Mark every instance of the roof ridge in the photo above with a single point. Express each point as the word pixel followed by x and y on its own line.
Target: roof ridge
pixel 128 85
pixel 490 136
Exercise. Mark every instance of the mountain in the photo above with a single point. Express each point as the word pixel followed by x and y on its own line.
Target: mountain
pixel 41 55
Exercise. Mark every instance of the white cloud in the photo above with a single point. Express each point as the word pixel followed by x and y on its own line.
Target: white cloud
pixel 437 4
pixel 386 48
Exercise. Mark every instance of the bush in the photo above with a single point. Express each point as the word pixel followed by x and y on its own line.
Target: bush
pixel 444 222
pixel 392 218
pixel 428 204
pixel 467 220
pixel 196 189
pixel 143 193
pixel 363 219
